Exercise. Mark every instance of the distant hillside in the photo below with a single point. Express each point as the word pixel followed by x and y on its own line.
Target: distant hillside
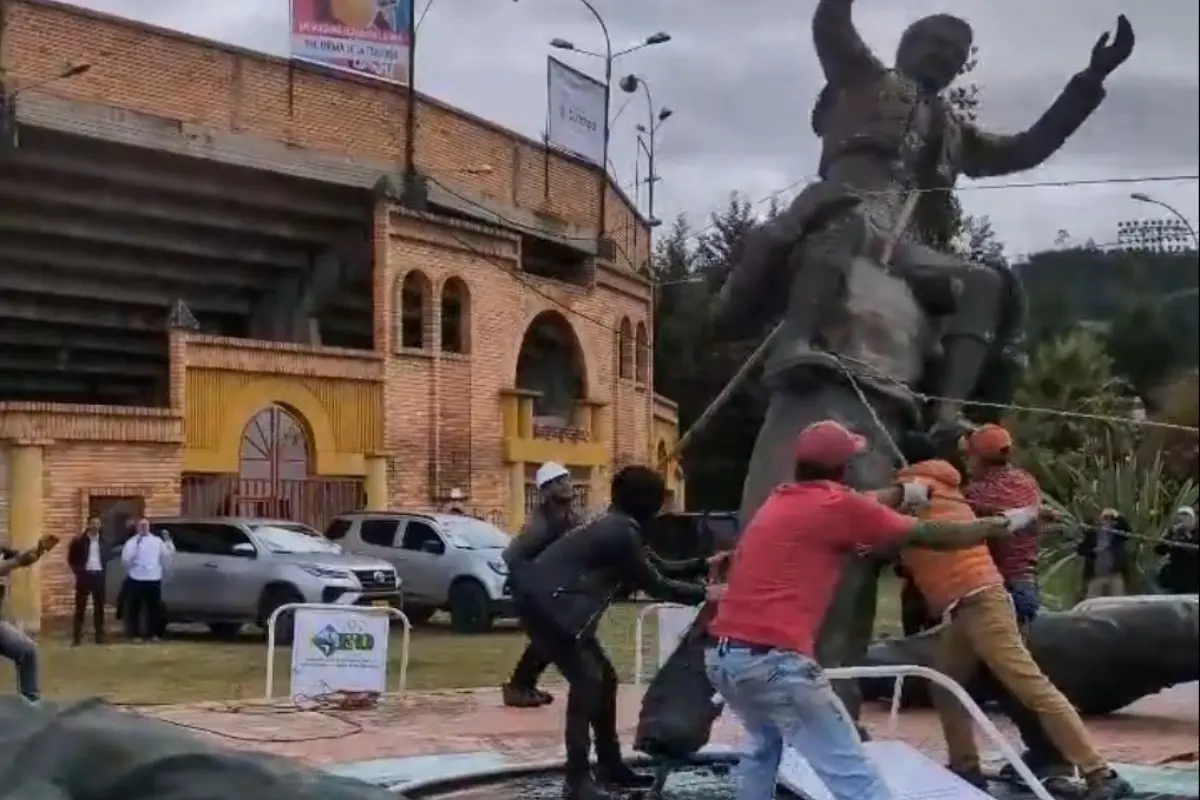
pixel 1089 285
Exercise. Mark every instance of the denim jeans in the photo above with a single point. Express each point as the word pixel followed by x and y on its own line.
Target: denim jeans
pixel 1026 598
pixel 783 698
pixel 21 650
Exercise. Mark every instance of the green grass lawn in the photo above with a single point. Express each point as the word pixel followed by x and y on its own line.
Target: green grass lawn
pixel 197 668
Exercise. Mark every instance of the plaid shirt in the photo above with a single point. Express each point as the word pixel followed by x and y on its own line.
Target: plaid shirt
pixel 1003 489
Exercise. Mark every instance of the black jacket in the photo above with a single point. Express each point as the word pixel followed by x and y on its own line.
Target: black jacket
pixel 77 553
pixel 1117 547
pixel 573 580
pixel 1180 572
pixel 541 528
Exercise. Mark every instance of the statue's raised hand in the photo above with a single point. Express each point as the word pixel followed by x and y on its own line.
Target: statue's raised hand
pixel 1106 56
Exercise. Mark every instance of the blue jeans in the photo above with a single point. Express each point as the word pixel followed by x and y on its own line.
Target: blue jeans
pixel 1027 599
pixel 21 650
pixel 783 698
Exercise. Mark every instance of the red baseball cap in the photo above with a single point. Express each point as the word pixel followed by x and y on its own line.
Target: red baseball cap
pixel 828 444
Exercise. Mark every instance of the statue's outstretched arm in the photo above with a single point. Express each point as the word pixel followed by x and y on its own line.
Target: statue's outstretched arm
pixel 986 154
pixel 754 284
pixel 844 56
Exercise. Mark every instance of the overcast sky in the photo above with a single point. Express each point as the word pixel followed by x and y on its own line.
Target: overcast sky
pixel 741 78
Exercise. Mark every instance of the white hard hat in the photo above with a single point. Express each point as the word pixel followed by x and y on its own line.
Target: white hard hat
pixel 550 471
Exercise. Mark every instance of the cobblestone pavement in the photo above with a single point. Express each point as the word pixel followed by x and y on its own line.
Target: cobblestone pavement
pixel 1158 729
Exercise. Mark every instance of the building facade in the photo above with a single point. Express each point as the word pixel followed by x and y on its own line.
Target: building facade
pixel 495 328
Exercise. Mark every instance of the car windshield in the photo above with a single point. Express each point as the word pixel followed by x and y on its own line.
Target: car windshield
pixel 293 540
pixel 469 533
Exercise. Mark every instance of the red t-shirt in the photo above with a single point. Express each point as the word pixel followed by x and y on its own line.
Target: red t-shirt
pixel 789 558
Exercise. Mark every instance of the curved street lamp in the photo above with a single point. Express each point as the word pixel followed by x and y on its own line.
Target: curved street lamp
pixel 609 57
pixel 654 120
pixel 1142 197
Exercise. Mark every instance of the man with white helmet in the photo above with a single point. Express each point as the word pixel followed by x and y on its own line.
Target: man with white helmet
pixel 554 515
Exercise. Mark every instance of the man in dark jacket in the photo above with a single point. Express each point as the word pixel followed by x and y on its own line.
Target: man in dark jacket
pixel 88 555
pixel 561 597
pixel 555 515
pixel 1105 556
pixel 1180 572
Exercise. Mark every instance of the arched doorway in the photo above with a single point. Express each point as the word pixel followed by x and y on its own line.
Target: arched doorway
pixel 274 463
pixel 550 362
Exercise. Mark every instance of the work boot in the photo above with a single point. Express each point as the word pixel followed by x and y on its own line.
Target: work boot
pixel 520 697
pixel 620 776
pixel 582 787
pixel 972 775
pixel 1106 784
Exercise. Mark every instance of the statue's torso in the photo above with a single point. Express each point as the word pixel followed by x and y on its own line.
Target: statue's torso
pixel 887 119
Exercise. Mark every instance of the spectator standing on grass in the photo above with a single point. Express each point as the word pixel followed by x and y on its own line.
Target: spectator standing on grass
pixel 1105 555
pixel 146 558
pixel 88 556
pixel 1180 572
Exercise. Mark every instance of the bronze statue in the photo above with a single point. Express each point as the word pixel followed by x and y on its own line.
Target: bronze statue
pixel 924 322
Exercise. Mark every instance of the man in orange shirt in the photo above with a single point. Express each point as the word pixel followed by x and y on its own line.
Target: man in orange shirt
pixel 966 588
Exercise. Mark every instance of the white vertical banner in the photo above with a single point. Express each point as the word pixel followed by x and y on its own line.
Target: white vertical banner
pixel 340 649
pixel 575 121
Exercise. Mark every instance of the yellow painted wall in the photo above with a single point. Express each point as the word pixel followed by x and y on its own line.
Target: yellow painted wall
pixel 344 417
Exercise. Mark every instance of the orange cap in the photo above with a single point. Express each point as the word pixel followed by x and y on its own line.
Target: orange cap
pixel 989 441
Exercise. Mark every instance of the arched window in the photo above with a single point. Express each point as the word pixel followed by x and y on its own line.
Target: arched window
pixel 275 447
pixel 641 354
pixel 416 311
pixel 625 349
pixel 456 320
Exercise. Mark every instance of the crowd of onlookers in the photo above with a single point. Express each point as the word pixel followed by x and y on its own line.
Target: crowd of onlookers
pixel 1106 550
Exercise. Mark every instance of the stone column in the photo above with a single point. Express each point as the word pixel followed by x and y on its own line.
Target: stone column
pixel 378 496
pixel 26 510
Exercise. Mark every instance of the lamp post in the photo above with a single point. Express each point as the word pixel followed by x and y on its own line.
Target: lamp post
pixel 1142 197
pixel 609 57
pixel 629 84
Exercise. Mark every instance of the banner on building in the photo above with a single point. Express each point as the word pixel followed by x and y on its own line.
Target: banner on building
pixel 577 107
pixel 369 37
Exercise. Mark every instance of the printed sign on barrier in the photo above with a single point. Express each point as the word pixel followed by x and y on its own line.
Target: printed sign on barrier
pixel 342 650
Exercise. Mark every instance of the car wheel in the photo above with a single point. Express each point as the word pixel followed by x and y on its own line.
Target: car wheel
pixel 225 630
pixel 470 607
pixel 273 599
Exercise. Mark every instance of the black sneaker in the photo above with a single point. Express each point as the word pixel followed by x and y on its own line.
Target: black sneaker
pixel 544 697
pixel 520 697
pixel 584 789
pixel 973 776
pixel 1106 784
pixel 620 776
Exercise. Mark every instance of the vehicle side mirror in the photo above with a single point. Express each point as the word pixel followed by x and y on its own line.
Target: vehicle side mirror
pixel 433 547
pixel 245 550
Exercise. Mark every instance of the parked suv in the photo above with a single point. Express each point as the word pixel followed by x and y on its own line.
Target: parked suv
pixel 229 572
pixel 445 562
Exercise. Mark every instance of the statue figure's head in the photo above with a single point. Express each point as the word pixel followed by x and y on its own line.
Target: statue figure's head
pixel 934 50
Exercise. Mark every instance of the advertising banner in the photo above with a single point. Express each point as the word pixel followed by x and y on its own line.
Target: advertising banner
pixel 369 37
pixel 339 650
pixel 576 115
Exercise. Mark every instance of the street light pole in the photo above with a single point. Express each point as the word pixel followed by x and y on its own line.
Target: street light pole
pixel 654 120
pixel 609 57
pixel 1142 197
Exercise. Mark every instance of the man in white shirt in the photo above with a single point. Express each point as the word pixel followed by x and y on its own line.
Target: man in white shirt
pixel 145 558
pixel 87 557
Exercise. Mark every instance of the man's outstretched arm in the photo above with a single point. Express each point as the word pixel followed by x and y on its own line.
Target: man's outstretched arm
pixel 844 56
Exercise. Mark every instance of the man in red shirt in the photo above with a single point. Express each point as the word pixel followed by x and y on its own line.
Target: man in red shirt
pixel 996 485
pixel 784 572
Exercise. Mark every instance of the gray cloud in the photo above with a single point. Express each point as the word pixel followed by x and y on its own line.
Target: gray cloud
pixel 741 78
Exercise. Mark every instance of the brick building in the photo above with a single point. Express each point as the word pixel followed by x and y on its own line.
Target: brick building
pixel 211 300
